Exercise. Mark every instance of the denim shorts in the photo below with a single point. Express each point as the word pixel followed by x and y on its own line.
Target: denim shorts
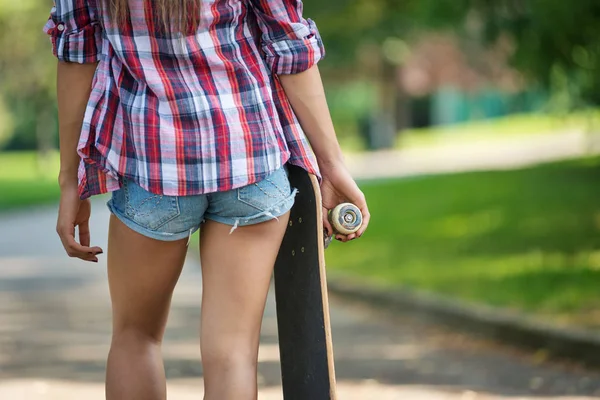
pixel 171 218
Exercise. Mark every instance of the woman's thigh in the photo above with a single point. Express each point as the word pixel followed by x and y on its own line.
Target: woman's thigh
pixel 147 246
pixel 238 247
pixel 142 273
pixel 236 273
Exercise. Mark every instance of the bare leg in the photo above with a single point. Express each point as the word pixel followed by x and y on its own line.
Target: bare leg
pixel 236 271
pixel 142 274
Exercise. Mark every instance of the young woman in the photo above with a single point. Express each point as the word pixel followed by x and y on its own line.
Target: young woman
pixel 188 111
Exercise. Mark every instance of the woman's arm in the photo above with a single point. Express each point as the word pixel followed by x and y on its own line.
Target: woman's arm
pixel 292 46
pixel 76 37
pixel 307 97
pixel 75 33
pixel 74 83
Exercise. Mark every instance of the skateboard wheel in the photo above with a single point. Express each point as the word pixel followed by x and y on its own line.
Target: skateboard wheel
pixel 345 218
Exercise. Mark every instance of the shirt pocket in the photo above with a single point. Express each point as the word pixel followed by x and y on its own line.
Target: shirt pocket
pixel 149 210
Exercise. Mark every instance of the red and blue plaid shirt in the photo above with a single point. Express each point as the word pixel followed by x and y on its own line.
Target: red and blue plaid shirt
pixel 188 114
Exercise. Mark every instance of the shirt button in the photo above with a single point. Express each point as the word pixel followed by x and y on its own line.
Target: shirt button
pixel 60 27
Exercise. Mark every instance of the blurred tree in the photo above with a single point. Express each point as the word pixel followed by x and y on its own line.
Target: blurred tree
pixel 347 26
pixel 555 44
pixel 555 41
pixel 27 74
pixel 362 39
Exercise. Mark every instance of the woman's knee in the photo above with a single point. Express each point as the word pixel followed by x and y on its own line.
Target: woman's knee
pixel 130 335
pixel 226 359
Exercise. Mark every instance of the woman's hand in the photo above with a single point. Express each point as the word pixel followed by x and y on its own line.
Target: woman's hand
pixel 74 212
pixel 338 187
pixel 74 83
pixel 305 92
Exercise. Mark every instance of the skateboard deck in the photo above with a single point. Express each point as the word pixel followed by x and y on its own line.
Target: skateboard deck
pixel 305 345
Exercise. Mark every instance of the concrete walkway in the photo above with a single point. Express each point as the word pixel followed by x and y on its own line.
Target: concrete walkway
pixel 55 313
pixel 55 333
pixel 482 154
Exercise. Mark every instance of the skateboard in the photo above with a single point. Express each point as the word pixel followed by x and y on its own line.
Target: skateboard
pixel 305 346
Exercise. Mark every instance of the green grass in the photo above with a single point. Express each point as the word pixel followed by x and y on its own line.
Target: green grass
pixel 26 180
pixel 525 239
pixel 512 126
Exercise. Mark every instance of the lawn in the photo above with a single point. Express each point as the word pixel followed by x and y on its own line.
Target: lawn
pixel 502 128
pixel 510 127
pixel 525 239
pixel 25 180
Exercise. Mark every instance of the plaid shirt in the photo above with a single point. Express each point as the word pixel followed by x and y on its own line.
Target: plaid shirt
pixel 188 114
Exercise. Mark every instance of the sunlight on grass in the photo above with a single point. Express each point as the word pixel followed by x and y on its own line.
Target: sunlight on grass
pixel 27 165
pixel 470 224
pixel 526 239
pixel 513 126
pixel 25 179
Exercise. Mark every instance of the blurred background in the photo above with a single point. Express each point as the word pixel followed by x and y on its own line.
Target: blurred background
pixel 472 126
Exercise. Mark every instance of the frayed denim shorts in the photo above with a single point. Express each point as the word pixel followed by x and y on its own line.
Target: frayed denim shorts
pixel 171 218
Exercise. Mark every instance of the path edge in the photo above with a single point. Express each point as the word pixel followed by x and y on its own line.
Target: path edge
pixel 513 328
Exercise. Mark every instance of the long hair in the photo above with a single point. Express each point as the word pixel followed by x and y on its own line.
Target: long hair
pixel 169 15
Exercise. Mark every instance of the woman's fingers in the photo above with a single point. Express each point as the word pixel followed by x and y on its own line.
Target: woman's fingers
pixel 84 233
pixel 366 217
pixel 365 220
pixel 345 238
pixel 326 223
pixel 75 213
pixel 338 187
pixel 74 249
pixel 361 203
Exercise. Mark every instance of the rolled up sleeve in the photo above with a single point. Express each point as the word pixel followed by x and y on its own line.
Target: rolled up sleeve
pixel 291 43
pixel 75 31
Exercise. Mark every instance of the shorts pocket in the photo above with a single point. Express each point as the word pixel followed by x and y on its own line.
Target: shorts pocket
pixel 146 209
pixel 268 192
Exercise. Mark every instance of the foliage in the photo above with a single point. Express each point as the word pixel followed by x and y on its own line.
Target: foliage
pixel 27 81
pixel 555 41
pixel 345 25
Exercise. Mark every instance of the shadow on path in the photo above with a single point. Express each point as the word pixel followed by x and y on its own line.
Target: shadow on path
pixel 55 325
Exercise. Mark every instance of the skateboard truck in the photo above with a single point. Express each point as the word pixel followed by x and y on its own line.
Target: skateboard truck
pixel 345 218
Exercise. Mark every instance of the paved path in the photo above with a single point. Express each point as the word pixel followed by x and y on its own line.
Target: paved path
pixel 54 336
pixel 480 154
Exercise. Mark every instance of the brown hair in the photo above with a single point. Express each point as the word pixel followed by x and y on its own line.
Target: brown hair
pixel 170 15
